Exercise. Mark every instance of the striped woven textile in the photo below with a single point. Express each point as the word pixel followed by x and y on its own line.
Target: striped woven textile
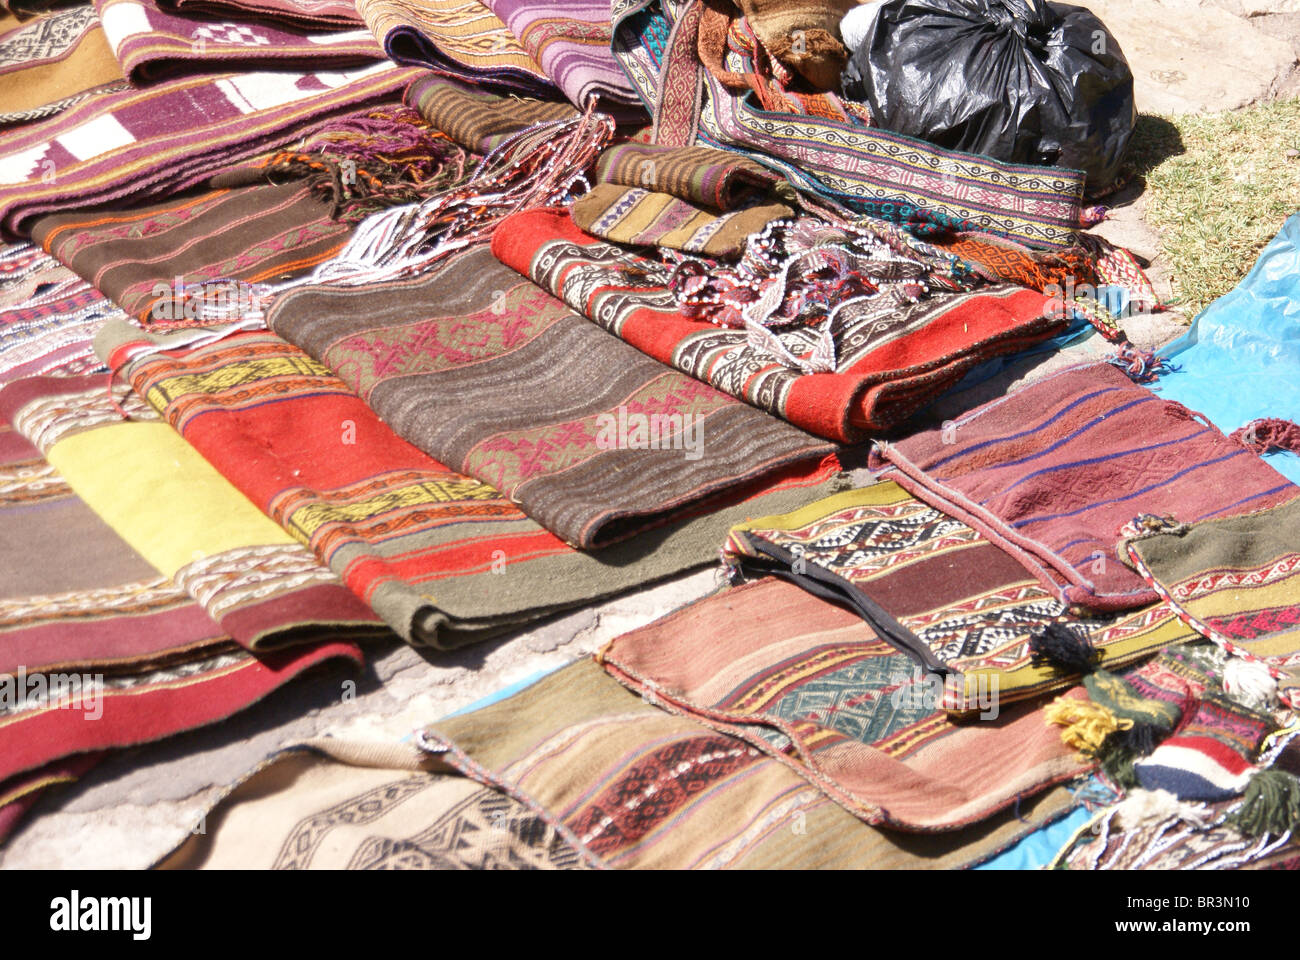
pixel 145 706
pixel 155 142
pixel 196 530
pixel 864 168
pixel 1211 755
pixel 318 13
pixel 48 316
pixel 145 258
pixel 461 39
pixel 570 41
pixel 815 687
pixel 73 594
pixel 1010 262
pixel 959 605
pixel 431 817
pixel 443 558
pixel 491 375
pixel 477 119
pixel 1236 580
pixel 52 61
pixel 418 816
pixel 719 802
pixel 637 217
pixel 701 175
pixel 98 650
pixel 151 43
pixel 20 793
pixel 1107 842
pixel 891 359
pixel 1055 472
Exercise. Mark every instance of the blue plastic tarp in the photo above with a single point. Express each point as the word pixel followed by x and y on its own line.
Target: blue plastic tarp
pixel 1240 361
pixel 1037 849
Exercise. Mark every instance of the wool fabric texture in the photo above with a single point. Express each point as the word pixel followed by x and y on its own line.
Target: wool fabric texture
pixel 570 41
pixel 703 176
pixel 460 39
pixel 813 686
pixel 443 558
pixel 1236 580
pixel 317 13
pixel 191 525
pixel 802 35
pixel 1211 756
pixel 631 215
pixel 151 143
pixel 891 359
pixel 48 317
pixel 939 592
pixel 1055 471
pixel 52 61
pixel 475 118
pixel 331 804
pixel 582 752
pixel 74 595
pixel 474 338
pixel 150 260
pixel 150 42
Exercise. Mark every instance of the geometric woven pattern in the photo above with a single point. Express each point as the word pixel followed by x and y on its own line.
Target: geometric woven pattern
pixel 812 685
pixel 936 588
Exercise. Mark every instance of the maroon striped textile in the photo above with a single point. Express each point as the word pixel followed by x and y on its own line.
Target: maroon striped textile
pixel 151 143
pixel 1054 472
pixel 150 43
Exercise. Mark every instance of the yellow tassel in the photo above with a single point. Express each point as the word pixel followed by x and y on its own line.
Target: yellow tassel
pixel 1086 724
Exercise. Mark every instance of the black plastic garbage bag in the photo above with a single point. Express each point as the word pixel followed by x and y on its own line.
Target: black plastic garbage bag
pixel 1019 80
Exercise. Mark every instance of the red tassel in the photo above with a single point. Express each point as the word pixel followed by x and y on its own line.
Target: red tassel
pixel 112 377
pixel 1183 413
pixel 1271 433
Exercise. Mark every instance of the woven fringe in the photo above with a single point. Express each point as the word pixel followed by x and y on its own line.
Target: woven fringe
pixel 1141 366
pixel 1271 805
pixel 387 158
pixel 537 167
pixel 1086 724
pixel 1268 434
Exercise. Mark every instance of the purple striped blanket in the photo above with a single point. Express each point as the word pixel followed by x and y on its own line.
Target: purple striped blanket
pixel 1056 471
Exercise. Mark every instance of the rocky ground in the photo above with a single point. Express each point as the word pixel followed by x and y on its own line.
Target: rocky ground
pixel 1187 56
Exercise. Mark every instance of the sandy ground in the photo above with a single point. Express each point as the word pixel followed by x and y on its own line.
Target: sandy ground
pixel 1187 56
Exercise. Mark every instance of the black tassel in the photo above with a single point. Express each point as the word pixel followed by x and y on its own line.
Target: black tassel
pixel 1139 740
pixel 1124 747
pixel 1062 646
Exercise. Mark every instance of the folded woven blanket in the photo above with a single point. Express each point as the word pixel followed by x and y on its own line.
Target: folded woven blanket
pixel 890 356
pixel 494 377
pixel 150 42
pixel 154 142
pixel 1056 471
pixel 461 39
pixel 444 558
pixel 640 217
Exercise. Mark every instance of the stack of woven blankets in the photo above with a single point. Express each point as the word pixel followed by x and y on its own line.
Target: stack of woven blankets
pixel 325 324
